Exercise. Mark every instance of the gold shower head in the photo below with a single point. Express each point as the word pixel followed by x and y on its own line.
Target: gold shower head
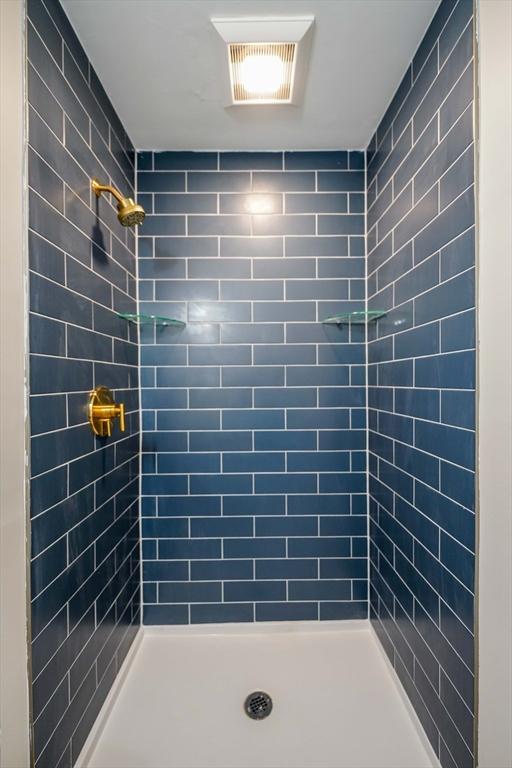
pixel 129 212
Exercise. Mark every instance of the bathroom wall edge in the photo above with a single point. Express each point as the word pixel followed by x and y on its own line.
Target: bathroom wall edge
pixel 14 656
pixel 495 383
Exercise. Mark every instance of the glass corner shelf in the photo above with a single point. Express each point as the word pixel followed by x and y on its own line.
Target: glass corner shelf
pixel 151 320
pixel 355 318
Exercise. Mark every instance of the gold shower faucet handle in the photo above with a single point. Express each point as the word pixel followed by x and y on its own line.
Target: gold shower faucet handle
pixel 103 410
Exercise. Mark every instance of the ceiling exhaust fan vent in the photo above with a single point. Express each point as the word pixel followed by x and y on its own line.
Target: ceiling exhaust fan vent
pixel 262 72
pixel 267 58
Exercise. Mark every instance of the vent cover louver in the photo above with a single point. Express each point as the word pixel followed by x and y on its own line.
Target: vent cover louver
pixel 238 54
pixel 264 58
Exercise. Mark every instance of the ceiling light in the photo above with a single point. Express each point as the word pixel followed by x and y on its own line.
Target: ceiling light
pixel 261 70
pixel 262 73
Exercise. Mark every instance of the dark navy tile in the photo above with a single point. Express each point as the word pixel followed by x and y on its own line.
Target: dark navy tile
pixel 300 161
pixel 165 614
pixel 275 224
pixel 323 589
pixel 218 182
pixel 51 73
pixel 254 505
pixel 286 569
pixel 447 77
pixel 319 547
pixel 417 464
pixel 221 613
pixel 189 506
pixel 458 178
pixel 221 527
pixel 417 342
pixel 340 181
pixel 321 461
pixel 47 413
pixel 178 247
pixel 286 526
pixel 446 153
pixel 457 101
pixel 317 203
pixel 458 408
pixel 453 518
pixel 335 246
pixel 448 298
pixel 219 269
pixel 191 549
pixel 160 182
pixel 284 181
pixel 316 418
pixel 458 332
pixel 447 442
pixel 349 224
pixel 290 354
pixel 254 548
pixel 166 485
pixel 269 247
pixel 188 376
pixel 164 225
pixel 249 161
pixel 344 610
pixel 284 311
pixel 458 255
pixel 454 220
pixel 248 591
pixel 286 612
pixel 263 333
pixel 453 371
pixel 253 376
pixel 48 298
pixel 191 592
pixel 418 280
pixel 458 484
pixel 221 570
pixel 220 484
pixel 182 161
pixel 421 403
pixel 253 419
pixel 221 441
pixel 220 398
pixel 184 463
pixel 285 483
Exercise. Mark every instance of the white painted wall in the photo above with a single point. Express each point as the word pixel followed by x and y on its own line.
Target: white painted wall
pixel 495 383
pixel 14 697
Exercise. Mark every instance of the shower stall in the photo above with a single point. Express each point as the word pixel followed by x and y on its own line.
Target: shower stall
pixel 255 488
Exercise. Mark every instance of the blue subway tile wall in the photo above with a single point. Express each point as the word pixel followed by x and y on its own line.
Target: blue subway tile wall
pixel 421 371
pixel 84 491
pixel 254 438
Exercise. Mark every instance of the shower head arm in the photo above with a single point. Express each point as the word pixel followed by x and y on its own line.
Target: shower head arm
pixel 99 188
pixel 129 212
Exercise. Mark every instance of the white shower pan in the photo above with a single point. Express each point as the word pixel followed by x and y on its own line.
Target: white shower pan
pixel 178 702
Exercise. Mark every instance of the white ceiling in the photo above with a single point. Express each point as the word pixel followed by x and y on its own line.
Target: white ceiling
pixel 162 64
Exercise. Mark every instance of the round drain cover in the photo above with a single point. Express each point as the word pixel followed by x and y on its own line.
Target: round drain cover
pixel 258 705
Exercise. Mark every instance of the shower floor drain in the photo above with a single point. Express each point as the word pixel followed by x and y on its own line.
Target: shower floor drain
pixel 258 705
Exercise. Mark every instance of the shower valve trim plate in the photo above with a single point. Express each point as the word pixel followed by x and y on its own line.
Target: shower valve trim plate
pixel 102 411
